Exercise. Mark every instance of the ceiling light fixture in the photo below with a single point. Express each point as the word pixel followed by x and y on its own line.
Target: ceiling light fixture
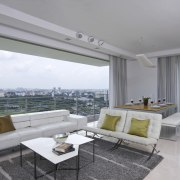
pixel 142 59
pixel 100 42
pixel 90 39
pixel 79 35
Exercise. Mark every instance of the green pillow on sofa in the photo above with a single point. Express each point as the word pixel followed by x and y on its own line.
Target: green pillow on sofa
pixel 6 124
pixel 139 127
pixel 110 122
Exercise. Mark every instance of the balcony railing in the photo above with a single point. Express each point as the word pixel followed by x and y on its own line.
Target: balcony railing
pixel 76 105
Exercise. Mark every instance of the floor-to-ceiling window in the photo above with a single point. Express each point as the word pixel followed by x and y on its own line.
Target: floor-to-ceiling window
pixel 31 83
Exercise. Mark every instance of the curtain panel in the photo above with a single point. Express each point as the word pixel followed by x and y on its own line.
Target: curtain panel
pixel 117 81
pixel 169 79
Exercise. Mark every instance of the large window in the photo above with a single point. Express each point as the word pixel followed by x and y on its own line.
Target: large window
pixel 31 83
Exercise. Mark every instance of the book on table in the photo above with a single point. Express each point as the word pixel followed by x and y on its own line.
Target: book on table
pixel 63 148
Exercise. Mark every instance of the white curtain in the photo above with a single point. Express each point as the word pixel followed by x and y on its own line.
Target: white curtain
pixel 178 84
pixel 117 81
pixel 169 79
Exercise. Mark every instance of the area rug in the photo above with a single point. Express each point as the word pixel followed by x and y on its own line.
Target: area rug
pixel 122 164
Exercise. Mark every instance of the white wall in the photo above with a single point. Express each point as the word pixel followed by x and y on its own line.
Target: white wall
pixel 141 81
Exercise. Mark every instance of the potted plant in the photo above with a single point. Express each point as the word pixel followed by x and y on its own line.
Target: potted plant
pixel 145 100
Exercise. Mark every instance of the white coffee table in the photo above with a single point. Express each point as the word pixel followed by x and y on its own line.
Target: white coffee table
pixel 43 147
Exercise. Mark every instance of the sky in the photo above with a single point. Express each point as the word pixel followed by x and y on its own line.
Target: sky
pixel 20 70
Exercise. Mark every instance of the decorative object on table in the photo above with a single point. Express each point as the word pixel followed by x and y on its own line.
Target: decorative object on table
pixel 164 100
pixel 152 102
pixel 159 101
pixel 140 101
pixel 132 101
pixel 63 148
pixel 60 138
pixel 145 100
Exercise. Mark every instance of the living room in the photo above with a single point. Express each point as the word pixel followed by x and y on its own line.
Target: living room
pixel 139 41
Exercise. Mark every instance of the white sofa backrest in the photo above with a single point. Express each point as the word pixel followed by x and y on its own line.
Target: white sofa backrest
pixel 113 112
pixel 46 117
pixel 21 121
pixel 155 122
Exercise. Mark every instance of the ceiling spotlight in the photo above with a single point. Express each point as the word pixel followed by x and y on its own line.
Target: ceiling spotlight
pixel 100 42
pixel 79 35
pixel 90 39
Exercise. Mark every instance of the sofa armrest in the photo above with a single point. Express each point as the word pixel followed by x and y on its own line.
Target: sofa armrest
pixel 81 121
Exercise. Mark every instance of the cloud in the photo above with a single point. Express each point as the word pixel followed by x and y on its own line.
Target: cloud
pixel 38 72
pixel 5 55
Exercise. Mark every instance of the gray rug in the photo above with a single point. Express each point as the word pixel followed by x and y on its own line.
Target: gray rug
pixel 121 164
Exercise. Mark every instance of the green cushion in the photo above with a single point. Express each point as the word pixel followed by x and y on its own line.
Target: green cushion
pixel 6 124
pixel 139 127
pixel 110 122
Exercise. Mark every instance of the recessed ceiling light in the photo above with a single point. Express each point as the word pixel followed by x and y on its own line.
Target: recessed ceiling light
pixel 100 42
pixel 90 39
pixel 79 35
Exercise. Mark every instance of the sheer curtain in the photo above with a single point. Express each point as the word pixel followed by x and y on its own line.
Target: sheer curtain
pixel 169 79
pixel 178 84
pixel 117 81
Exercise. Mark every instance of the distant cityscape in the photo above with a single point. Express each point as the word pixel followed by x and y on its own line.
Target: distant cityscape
pixel 78 101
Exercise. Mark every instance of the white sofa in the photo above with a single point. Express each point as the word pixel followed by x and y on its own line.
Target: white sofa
pixel 123 127
pixel 40 124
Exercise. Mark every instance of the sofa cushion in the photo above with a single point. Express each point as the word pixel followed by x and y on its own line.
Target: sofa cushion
pixel 48 114
pixel 56 128
pixel 139 127
pixel 28 133
pixel 133 138
pixel 81 121
pixel 46 117
pixel 47 120
pixel 110 122
pixel 21 120
pixel 9 139
pixel 113 112
pixel 154 126
pixel 6 124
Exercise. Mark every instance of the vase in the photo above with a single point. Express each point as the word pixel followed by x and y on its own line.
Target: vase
pixel 145 102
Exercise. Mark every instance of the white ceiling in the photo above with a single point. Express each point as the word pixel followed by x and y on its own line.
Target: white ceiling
pixel 137 26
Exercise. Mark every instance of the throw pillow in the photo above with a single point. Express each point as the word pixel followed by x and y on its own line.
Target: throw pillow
pixel 110 122
pixel 139 127
pixel 6 124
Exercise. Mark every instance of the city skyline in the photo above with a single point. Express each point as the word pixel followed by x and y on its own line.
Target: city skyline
pixel 27 71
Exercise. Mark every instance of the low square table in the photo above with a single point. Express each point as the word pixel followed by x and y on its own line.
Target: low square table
pixel 44 146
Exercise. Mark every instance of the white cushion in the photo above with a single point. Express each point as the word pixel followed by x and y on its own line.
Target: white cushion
pixel 61 112
pixel 154 126
pixel 56 128
pixel 81 121
pixel 21 120
pixel 20 117
pixel 37 122
pixel 9 139
pixel 133 138
pixel 113 112
pixel 21 125
pixel 47 114
pixel 28 133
